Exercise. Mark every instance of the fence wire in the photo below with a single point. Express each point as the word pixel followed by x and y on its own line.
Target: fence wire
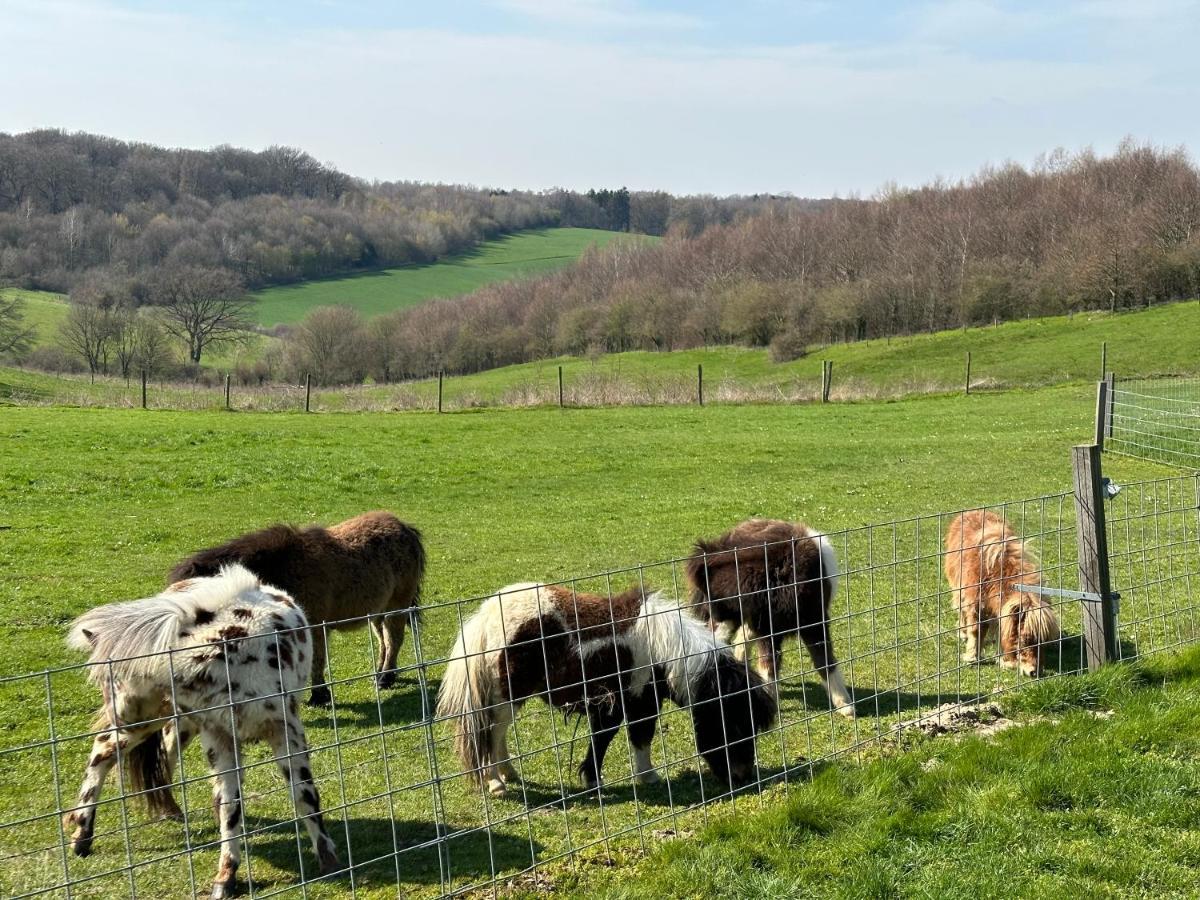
pixel 409 818
pixel 1157 420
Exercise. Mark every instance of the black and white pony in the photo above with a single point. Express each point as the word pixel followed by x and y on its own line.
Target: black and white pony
pixel 224 656
pixel 612 658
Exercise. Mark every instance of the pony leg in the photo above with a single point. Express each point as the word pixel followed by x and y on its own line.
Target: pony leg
pixel 766 658
pixel 603 724
pixel 227 807
pixel 105 748
pixel 497 768
pixel 321 695
pixel 820 649
pixel 642 713
pixel 973 630
pixel 390 631
pixel 291 755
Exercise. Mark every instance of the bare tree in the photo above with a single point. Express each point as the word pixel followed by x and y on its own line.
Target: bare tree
pixel 327 344
pixel 202 307
pixel 87 331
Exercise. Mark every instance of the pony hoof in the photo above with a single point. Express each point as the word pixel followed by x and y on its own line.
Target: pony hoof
pixel 321 696
pixel 330 864
pixel 650 777
pixel 222 890
pixel 82 847
pixel 385 679
pixel 497 788
pixel 848 711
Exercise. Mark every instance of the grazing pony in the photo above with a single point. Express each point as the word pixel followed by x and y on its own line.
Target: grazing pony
pixel 373 563
pixel 774 580
pixel 224 656
pixel 983 562
pixel 613 659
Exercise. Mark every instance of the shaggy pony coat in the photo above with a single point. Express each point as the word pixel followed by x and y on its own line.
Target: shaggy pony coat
pixel 774 580
pixel 373 563
pixel 983 561
pixel 611 659
pixel 222 656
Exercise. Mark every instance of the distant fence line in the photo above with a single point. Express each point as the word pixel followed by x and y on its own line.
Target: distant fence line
pixel 1119 568
pixel 552 386
pixel 1156 420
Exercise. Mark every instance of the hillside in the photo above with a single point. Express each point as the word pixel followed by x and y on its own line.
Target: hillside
pixel 373 293
pixel 1161 341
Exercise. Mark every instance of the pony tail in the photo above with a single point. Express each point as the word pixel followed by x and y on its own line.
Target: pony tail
pixel 148 769
pixel 468 695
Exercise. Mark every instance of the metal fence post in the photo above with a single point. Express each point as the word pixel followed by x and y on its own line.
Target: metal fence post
pixel 1111 380
pixel 1102 404
pixel 1099 619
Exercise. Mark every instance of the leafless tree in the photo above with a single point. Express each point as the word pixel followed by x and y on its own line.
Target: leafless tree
pixel 15 336
pixel 202 307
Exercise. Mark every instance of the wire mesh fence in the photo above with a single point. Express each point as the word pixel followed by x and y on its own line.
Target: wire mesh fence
pixel 549 674
pixel 1157 420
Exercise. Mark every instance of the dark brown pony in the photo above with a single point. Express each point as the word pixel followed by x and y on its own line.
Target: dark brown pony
pixel 373 563
pixel 774 580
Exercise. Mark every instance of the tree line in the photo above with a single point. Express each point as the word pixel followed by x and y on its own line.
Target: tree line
pixel 1071 232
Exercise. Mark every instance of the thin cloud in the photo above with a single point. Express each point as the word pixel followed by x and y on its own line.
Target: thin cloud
pixel 598 14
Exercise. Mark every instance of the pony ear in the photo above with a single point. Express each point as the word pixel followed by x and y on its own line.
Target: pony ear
pixel 88 636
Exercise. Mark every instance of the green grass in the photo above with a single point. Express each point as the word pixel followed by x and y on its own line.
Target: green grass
pixel 1073 806
pixel 99 504
pixel 44 311
pixel 374 293
pixel 1164 340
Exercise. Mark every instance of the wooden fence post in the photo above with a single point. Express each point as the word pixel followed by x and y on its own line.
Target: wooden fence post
pixel 700 383
pixel 1104 359
pixel 441 375
pixel 1101 412
pixel 307 391
pixel 1099 618
pixel 826 379
pixel 228 381
pixel 968 384
pixel 143 388
pixel 560 388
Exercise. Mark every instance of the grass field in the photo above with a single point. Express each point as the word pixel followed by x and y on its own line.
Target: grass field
pixel 374 293
pixel 44 311
pixel 1095 794
pixel 99 503
pixel 1019 354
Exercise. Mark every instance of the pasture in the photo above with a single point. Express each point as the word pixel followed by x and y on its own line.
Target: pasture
pixel 381 291
pixel 100 503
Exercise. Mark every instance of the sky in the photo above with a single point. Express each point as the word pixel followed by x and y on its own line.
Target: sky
pixel 804 97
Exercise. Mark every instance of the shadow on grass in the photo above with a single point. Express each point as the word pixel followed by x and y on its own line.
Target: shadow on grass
pixel 380 852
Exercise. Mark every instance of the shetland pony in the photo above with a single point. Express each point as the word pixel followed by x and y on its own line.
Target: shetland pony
pixel 373 563
pixel 613 659
pixel 983 561
pixel 224 656
pixel 774 580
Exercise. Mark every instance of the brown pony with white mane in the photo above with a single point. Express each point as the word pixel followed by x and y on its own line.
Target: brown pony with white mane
pixel 225 657
pixel 613 659
pixel 373 563
pixel 774 580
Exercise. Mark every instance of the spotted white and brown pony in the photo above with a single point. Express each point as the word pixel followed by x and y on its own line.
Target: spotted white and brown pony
pixel 613 659
pixel 224 657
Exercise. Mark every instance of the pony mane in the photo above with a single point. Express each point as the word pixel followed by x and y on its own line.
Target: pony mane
pixel 133 637
pixel 270 540
pixel 679 642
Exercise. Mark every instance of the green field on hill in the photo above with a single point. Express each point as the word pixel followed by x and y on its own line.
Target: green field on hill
pixel 43 310
pixel 99 503
pixel 374 293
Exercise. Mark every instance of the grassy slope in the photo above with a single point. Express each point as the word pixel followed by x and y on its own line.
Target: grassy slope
pixel 43 310
pixel 101 502
pixel 374 293
pixel 1073 806
pixel 1159 341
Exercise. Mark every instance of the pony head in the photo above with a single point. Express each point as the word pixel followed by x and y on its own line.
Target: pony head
pixel 730 705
